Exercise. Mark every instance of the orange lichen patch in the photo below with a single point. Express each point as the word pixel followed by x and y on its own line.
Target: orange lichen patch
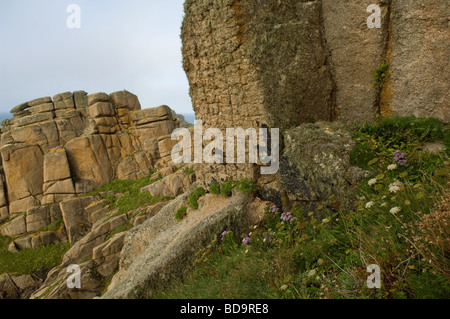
pixel 57 150
pixel 240 20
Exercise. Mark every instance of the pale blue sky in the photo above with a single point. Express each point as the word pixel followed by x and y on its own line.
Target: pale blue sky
pixel 122 44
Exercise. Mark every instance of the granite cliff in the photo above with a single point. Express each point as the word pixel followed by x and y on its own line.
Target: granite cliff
pixel 306 67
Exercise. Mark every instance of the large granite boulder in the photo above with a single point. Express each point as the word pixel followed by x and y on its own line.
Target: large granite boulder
pixel 315 167
pixel 162 248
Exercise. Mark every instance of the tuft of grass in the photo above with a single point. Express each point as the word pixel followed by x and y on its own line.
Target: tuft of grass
pixel 193 199
pixel 181 213
pixel 227 188
pixel 214 188
pixel 55 226
pixel 381 75
pixel 246 186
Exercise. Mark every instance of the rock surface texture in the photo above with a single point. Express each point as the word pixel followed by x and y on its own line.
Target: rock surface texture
pixel 284 63
pixel 54 151
pixel 297 65
pixel 60 148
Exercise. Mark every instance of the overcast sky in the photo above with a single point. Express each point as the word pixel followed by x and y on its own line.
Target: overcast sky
pixel 122 44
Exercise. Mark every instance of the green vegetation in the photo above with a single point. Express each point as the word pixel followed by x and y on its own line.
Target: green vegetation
pixel 400 224
pixel 181 213
pixel 119 230
pixel 381 75
pixel 55 226
pixel 214 188
pixel 246 186
pixel 130 197
pixel 188 171
pixel 193 199
pixel 227 188
pixel 27 261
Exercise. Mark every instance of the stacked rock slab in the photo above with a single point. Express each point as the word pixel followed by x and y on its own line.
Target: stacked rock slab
pixel 54 149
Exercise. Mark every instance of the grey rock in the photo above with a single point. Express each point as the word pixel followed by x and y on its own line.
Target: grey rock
pixel 162 248
pixel 315 168
pixel 20 108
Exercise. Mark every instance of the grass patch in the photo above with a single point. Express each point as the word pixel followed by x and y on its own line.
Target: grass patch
pixel 55 226
pixel 131 197
pixel 181 213
pixel 27 261
pixel 398 225
pixel 381 75
pixel 119 230
pixel 227 188
pixel 193 199
pixel 214 188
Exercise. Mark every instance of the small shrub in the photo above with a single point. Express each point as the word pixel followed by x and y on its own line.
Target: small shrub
pixel 246 186
pixel 193 199
pixel 214 188
pixel 181 213
pixel 227 188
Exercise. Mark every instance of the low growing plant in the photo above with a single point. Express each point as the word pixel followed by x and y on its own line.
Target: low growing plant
pixel 193 199
pixel 214 188
pixel 181 213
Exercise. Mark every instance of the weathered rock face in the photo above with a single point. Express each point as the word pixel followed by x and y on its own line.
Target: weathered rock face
pixel 248 60
pixel 286 62
pixel 60 148
pixel 355 51
pixel 315 169
pixel 162 248
pixel 418 55
pixel 56 150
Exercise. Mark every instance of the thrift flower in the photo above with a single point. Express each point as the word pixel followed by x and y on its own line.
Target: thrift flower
pixel 224 234
pixel 400 158
pixel 246 241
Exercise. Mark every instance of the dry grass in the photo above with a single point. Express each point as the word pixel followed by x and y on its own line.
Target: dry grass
pixel 431 235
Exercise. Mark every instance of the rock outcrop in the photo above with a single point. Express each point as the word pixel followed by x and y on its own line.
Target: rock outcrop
pixel 60 148
pixel 54 151
pixel 281 64
pixel 162 249
pixel 284 63
pixel 316 171
pixel 293 65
